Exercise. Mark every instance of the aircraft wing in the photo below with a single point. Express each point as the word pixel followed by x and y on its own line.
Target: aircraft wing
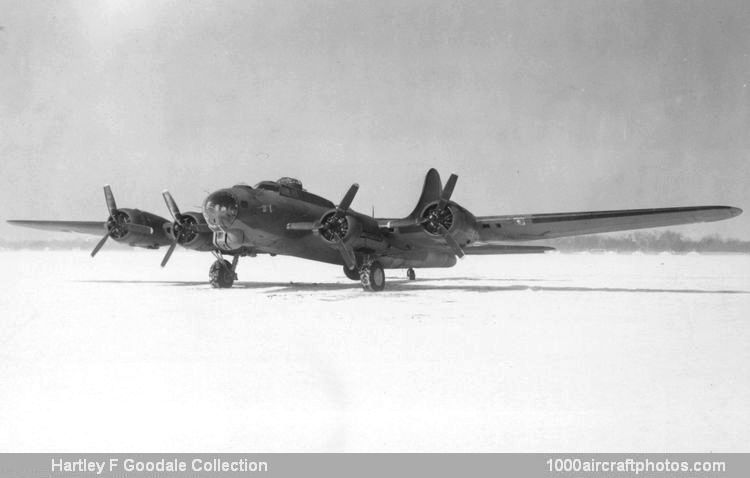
pixel 526 227
pixel 96 228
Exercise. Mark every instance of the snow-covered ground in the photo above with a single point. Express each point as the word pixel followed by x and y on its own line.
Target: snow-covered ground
pixel 579 352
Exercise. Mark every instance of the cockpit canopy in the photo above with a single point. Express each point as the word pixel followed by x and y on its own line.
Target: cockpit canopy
pixel 292 188
pixel 291 182
pixel 285 181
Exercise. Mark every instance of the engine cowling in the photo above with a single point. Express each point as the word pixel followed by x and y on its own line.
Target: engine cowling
pixel 451 222
pixel 451 217
pixel 345 227
pixel 117 227
pixel 186 234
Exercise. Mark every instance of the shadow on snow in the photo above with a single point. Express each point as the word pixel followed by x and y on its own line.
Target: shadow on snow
pixel 403 285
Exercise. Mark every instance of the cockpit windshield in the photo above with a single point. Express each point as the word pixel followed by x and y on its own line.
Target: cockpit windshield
pixel 267 185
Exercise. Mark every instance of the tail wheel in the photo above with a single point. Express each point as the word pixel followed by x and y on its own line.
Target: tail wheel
pixel 221 275
pixel 372 277
pixel 352 274
pixel 411 274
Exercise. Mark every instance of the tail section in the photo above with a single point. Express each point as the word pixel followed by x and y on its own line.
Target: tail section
pixel 431 191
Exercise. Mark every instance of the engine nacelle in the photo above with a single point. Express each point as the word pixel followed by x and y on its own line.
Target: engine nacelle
pixel 186 236
pixel 138 239
pixel 460 223
pixel 361 233
pixel 453 217
pixel 346 227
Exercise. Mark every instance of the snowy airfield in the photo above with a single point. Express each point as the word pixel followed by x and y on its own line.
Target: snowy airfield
pixel 555 352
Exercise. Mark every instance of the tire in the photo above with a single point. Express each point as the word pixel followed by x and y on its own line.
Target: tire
pixel 352 274
pixel 411 274
pixel 372 277
pixel 220 275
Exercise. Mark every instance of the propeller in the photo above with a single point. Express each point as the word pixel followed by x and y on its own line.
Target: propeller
pixel 184 227
pixel 438 216
pixel 118 222
pixel 334 227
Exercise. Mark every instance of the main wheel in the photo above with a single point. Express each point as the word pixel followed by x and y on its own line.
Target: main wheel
pixel 220 275
pixel 352 274
pixel 411 274
pixel 372 277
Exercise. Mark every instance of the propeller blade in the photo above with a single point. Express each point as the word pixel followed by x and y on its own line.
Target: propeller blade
pixel 348 198
pixel 110 198
pixel 139 229
pixel 168 254
pixel 171 205
pixel 346 253
pixel 100 244
pixel 451 241
pixel 301 226
pixel 447 191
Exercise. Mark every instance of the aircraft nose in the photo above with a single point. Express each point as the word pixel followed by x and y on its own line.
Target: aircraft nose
pixel 220 209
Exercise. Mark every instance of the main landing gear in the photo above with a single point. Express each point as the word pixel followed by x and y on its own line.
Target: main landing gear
pixel 372 277
pixel 222 273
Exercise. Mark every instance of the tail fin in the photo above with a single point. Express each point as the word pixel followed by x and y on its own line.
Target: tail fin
pixel 431 191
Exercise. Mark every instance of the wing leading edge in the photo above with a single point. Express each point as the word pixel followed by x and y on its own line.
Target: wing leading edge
pixel 527 227
pixel 96 228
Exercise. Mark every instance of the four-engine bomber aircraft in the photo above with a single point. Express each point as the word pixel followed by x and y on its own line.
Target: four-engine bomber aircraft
pixel 281 217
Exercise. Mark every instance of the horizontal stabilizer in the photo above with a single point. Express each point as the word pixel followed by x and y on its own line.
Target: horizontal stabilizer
pixel 96 228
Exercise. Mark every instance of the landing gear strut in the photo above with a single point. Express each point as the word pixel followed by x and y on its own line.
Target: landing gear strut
pixel 352 274
pixel 411 274
pixel 372 277
pixel 222 273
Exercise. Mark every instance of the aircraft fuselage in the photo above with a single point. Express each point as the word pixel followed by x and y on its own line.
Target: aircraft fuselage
pixel 256 219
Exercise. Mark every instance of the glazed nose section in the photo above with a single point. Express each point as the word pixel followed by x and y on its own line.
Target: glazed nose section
pixel 220 209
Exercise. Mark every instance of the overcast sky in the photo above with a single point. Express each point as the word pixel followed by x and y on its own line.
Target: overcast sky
pixel 538 106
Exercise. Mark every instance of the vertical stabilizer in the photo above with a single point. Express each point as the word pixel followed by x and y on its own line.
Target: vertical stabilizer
pixel 431 191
